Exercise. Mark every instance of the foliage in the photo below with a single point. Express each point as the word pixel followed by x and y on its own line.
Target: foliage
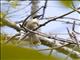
pixel 66 3
pixel 13 3
pixel 12 52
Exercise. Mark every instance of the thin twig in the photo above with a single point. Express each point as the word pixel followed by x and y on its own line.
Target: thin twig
pixel 56 18
pixel 70 53
pixel 67 22
pixel 31 15
pixel 19 9
pixel 44 8
pixel 74 8
pixel 12 38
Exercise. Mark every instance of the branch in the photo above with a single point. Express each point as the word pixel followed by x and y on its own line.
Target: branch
pixel 67 22
pixel 49 42
pixel 56 18
pixel 74 8
pixel 30 15
pixel 19 9
pixel 44 8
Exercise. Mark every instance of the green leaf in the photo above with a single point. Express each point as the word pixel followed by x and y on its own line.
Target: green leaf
pixel 10 52
pixel 66 3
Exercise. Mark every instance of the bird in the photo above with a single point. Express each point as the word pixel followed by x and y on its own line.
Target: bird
pixel 33 24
